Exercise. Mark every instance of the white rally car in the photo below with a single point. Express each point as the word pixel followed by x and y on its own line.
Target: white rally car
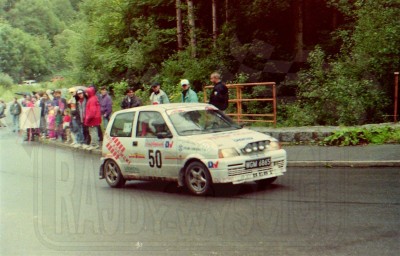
pixel 195 145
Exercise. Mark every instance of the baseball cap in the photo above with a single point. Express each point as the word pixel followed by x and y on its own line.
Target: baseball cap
pixel 79 91
pixel 184 82
pixel 154 84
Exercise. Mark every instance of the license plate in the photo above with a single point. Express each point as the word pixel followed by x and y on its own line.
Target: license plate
pixel 258 163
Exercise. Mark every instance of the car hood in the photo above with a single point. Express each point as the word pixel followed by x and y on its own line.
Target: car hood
pixel 236 138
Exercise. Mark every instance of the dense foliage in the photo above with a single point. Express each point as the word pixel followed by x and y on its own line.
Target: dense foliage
pixel 354 86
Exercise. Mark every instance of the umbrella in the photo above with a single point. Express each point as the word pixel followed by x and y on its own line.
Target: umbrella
pixel 81 87
pixel 23 93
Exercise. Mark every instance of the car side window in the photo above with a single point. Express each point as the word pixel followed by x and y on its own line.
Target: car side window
pixel 151 123
pixel 122 125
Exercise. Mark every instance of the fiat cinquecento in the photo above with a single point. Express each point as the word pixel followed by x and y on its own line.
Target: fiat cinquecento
pixel 193 144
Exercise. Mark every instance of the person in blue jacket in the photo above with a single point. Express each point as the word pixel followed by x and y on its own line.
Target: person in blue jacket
pixel 106 106
pixel 188 95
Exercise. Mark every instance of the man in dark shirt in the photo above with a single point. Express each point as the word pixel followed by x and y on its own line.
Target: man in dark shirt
pixel 219 96
pixel 130 100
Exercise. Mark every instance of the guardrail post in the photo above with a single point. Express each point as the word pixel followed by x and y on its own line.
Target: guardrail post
pixel 239 103
pixel 396 94
pixel 274 102
pixel 205 94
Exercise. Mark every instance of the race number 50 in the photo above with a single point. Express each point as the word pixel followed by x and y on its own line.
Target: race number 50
pixel 155 158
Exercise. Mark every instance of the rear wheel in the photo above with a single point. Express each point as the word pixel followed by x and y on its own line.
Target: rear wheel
pixel 198 178
pixel 265 182
pixel 113 174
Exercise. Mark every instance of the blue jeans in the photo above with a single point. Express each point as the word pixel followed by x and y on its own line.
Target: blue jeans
pixel 105 122
pixel 15 123
pixel 79 136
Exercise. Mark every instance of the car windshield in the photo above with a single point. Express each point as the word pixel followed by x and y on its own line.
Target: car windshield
pixel 202 121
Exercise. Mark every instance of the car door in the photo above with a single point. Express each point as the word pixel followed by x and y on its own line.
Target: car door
pixel 119 139
pixel 156 154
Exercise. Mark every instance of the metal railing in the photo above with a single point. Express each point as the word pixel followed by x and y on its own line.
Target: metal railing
pixel 239 100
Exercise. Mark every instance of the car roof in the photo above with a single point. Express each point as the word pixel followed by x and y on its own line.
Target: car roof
pixel 164 107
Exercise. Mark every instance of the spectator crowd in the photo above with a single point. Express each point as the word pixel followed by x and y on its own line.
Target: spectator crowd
pixel 78 119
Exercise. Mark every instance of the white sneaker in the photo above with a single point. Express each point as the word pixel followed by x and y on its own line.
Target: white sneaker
pixel 92 147
pixel 85 146
pixel 73 144
pixel 77 145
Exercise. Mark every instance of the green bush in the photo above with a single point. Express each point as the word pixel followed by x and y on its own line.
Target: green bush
pixel 362 136
pixel 6 80
pixel 335 94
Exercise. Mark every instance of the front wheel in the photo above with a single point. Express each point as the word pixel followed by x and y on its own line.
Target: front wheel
pixel 265 182
pixel 113 174
pixel 198 178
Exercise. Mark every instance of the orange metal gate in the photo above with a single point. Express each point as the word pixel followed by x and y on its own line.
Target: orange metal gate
pixel 239 100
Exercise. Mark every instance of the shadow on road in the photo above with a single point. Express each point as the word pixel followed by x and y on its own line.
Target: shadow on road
pixel 218 190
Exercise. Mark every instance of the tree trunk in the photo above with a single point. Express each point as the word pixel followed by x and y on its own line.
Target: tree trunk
pixel 214 22
pixel 192 27
pixel 334 19
pixel 299 25
pixel 179 30
pixel 226 11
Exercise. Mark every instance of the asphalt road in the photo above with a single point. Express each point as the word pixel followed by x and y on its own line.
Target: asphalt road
pixel 52 203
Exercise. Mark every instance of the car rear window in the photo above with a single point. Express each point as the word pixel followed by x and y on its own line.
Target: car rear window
pixel 122 125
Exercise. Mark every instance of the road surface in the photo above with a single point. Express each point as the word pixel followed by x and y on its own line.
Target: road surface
pixel 52 203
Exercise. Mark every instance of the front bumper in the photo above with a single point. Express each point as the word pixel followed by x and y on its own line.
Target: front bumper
pixel 233 170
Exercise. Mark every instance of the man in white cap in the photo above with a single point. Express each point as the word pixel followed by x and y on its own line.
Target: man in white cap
pixel 158 96
pixel 188 95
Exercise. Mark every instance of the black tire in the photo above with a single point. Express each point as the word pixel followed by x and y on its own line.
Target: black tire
pixel 265 182
pixel 113 175
pixel 198 178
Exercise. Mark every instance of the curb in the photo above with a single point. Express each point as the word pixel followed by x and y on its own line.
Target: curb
pixel 351 164
pixel 55 144
pixel 312 164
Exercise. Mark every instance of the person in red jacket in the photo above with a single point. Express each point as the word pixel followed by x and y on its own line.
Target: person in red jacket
pixel 93 117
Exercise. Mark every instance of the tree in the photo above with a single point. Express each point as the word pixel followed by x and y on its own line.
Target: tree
pixel 298 10
pixel 192 28
pixel 36 17
pixel 179 26
pixel 23 56
pixel 214 21
pixel 123 41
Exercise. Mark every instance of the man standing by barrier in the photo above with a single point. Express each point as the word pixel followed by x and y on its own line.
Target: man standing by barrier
pixel 81 108
pixel 3 107
pixel 188 95
pixel 93 117
pixel 58 101
pixel 15 111
pixel 106 106
pixel 130 100
pixel 219 96
pixel 158 96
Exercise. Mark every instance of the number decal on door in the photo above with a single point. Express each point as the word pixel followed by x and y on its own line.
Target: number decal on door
pixel 155 158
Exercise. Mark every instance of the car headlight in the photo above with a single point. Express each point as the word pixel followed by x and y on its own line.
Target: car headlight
pixel 248 149
pixel 274 145
pixel 227 152
pixel 261 145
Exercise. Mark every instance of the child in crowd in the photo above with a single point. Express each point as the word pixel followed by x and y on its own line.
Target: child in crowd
pixel 66 125
pixel 51 123
pixel 59 125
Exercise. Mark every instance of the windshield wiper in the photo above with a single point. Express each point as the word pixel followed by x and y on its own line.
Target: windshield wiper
pixel 192 130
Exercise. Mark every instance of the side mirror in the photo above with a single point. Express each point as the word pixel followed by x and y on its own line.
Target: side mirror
pixel 164 135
